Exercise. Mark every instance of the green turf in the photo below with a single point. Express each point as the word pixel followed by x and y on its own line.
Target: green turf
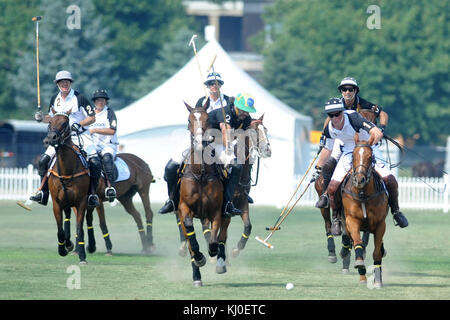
pixel 417 265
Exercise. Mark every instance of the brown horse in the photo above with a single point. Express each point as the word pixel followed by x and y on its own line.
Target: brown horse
pixel 365 203
pixel 201 196
pixel 257 145
pixel 68 182
pixel 345 252
pixel 139 182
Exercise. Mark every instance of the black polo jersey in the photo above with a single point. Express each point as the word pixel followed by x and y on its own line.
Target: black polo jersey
pixel 216 117
pixel 360 103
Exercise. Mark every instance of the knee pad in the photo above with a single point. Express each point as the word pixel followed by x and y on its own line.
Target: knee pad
pixel 171 170
pixel 328 168
pixel 95 167
pixel 43 164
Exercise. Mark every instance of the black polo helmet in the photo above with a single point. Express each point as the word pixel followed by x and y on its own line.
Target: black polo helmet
pixel 101 93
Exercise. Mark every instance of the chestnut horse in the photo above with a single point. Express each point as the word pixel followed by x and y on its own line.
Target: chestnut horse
pixel 365 203
pixel 68 182
pixel 345 252
pixel 201 196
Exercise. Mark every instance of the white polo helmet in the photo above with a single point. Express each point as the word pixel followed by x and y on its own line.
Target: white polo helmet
pixel 63 75
pixel 348 81
pixel 212 77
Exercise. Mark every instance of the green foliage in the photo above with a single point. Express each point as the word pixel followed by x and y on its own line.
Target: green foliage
pixel 84 52
pixel 403 66
pixel 138 31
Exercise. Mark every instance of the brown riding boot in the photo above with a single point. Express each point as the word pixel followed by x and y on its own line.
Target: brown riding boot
pixel 392 188
pixel 336 223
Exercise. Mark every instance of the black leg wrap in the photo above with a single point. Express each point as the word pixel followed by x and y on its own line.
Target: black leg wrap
pixel 330 243
pixel 359 250
pixel 327 172
pixel 221 253
pixel 362 271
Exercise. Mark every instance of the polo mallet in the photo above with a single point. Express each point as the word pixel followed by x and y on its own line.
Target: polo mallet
pixel 284 214
pixel 37 19
pixel 192 43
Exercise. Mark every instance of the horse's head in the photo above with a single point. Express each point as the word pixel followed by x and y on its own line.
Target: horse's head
pixel 198 121
pixel 362 162
pixel 58 129
pixel 260 140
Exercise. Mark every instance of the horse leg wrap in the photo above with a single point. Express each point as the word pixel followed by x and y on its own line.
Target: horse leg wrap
pixel 206 233
pixel 377 272
pixel 359 250
pixel 362 271
pixel 91 237
pixel 149 233
pixel 108 243
pixel 244 237
pixel 196 275
pixel 192 240
pixel 222 253
pixel 330 241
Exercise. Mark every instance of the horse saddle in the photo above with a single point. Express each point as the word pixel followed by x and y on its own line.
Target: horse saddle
pixel 121 170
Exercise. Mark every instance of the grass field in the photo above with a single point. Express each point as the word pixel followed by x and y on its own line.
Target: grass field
pixel 417 265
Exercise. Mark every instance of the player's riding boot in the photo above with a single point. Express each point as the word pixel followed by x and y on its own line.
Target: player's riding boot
pixel 392 188
pixel 327 173
pixel 95 169
pixel 230 184
pixel 171 177
pixel 41 196
pixel 249 199
pixel 108 164
pixel 336 222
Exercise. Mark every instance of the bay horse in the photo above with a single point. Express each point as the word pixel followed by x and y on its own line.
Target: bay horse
pixel 138 182
pixel 365 203
pixel 68 182
pixel 201 196
pixel 257 145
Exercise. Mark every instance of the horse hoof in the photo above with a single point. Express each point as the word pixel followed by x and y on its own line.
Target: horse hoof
pixel 69 247
pixel 384 253
pixel 346 263
pixel 377 285
pixel 363 282
pixel 332 258
pixel 212 260
pixel 92 249
pixel 83 263
pixel 62 251
pixel 197 283
pixel 235 253
pixel 345 271
pixel 182 250
pixel 200 262
pixel 108 254
pixel 221 266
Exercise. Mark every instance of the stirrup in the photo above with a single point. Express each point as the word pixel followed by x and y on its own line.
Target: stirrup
pixel 93 201
pixel 110 193
pixel 336 227
pixel 230 210
pixel 169 206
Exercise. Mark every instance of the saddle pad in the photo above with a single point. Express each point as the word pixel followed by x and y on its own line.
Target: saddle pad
pixel 123 172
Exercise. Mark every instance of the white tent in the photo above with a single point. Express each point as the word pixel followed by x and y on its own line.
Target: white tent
pixel 152 126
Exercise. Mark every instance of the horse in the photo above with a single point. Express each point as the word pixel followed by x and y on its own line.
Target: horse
pixel 345 252
pixel 201 196
pixel 365 204
pixel 139 182
pixel 257 145
pixel 68 182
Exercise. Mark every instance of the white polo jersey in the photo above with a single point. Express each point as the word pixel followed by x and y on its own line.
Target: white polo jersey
pixel 105 119
pixel 75 102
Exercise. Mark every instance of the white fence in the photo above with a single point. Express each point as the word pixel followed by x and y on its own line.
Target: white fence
pixel 416 193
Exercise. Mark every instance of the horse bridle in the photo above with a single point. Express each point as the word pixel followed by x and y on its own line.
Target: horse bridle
pixel 63 133
pixel 255 146
pixel 367 173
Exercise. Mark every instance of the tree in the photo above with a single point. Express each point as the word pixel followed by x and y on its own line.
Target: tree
pixel 81 49
pixel 138 31
pixel 15 26
pixel 402 66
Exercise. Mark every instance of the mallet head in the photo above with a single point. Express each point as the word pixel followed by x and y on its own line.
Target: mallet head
pixel 192 42
pixel 37 18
